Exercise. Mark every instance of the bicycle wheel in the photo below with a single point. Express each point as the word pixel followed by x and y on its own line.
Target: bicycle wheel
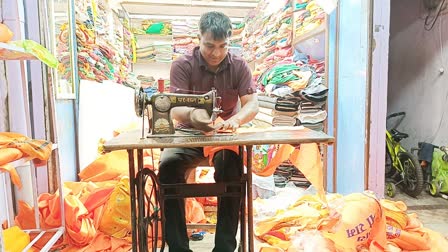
pixel 412 174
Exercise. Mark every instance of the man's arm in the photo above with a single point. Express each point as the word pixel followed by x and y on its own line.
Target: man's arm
pixel 181 114
pixel 248 111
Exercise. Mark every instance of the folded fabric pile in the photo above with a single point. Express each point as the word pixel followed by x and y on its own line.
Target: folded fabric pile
pixel 163 51
pixel 154 51
pixel 308 15
pixel 185 34
pixel 293 94
pixel 268 31
pixel 103 53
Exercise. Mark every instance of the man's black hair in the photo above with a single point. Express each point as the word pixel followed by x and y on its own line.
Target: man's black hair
pixel 217 23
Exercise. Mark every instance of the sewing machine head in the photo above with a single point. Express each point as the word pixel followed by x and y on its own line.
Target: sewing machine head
pixel 162 103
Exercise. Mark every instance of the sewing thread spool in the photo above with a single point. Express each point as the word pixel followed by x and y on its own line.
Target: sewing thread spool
pixel 161 85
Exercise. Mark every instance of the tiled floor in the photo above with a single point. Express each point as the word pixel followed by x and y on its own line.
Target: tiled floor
pixel 433 212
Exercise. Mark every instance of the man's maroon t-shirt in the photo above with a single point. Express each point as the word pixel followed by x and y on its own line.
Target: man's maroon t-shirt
pixel 189 75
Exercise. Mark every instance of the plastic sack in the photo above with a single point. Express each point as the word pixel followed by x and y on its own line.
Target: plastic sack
pixel 263 187
pixel 38 51
pixel 15 239
pixel 361 225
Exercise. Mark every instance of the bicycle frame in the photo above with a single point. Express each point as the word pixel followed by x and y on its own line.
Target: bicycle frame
pixel 394 148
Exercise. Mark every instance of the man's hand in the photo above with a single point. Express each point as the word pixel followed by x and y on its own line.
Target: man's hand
pixel 232 124
pixel 200 120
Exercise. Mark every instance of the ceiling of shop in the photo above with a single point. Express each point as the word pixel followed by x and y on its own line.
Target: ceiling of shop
pixel 232 8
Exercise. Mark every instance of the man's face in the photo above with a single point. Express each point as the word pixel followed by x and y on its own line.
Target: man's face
pixel 213 51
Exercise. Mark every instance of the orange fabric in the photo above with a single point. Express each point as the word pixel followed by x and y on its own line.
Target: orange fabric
pixel 309 161
pixel 395 212
pixel 110 166
pixel 14 146
pixel 209 151
pixel 34 148
pixel 102 243
pixel 80 228
pixel 283 153
pixel 8 155
pixel 25 220
pixel 194 211
pixel 408 240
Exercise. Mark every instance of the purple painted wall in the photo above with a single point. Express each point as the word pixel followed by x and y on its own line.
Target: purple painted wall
pixel 378 94
pixel 416 85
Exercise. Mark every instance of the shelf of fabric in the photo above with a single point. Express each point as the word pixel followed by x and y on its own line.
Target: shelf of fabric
pixel 312 43
pixel 154 37
pixel 152 62
pixel 309 35
pixel 55 233
pixel 12 52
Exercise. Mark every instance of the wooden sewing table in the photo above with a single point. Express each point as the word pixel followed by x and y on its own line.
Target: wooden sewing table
pixel 132 140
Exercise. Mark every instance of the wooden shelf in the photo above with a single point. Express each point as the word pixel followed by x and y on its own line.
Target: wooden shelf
pixel 12 52
pixel 152 62
pixel 308 35
pixel 154 36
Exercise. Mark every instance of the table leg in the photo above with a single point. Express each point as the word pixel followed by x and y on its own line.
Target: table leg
pixel 133 202
pixel 243 238
pixel 250 218
pixel 142 227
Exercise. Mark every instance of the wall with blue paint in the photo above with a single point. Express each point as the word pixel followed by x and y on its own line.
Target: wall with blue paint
pixel 352 69
pixel 66 139
pixel 330 68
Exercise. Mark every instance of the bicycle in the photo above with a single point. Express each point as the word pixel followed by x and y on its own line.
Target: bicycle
pixel 402 166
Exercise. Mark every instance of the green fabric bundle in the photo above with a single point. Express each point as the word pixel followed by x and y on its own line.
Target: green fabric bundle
pixel 280 74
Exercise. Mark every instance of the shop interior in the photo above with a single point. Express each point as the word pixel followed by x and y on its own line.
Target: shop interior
pixel 72 78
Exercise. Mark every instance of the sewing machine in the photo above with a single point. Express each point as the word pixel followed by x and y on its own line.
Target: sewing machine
pixel 161 104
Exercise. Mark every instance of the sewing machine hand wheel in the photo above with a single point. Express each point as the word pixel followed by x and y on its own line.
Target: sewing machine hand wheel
pixel 139 102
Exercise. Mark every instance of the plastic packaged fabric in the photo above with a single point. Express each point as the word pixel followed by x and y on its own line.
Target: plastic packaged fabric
pixel 38 51
pixel 155 28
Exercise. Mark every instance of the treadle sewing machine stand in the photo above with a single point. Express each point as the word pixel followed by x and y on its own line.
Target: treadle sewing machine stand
pixel 147 207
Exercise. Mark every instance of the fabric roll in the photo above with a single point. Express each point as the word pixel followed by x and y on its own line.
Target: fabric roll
pixel 313 117
pixel 268 105
pixel 264 118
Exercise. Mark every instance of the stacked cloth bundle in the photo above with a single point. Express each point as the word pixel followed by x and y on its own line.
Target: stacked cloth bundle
pixel 99 58
pixel 293 95
pixel 163 51
pixel 185 33
pixel 268 32
pixel 156 51
pixel 307 17
pixel 237 30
